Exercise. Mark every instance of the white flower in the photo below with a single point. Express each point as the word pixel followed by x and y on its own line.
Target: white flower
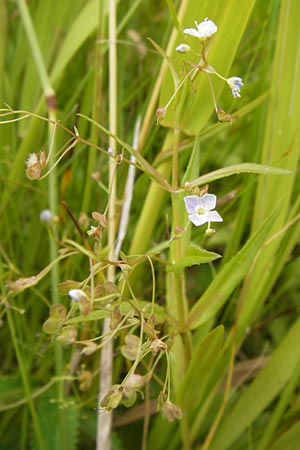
pixel 76 294
pixel 200 209
pixel 183 48
pixel 235 84
pixel 203 30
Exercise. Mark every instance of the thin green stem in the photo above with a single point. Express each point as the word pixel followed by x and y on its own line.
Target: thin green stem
pixel 52 186
pixel 35 48
pixel 97 97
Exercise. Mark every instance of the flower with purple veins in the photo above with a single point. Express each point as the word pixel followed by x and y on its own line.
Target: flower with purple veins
pixel 235 84
pixel 200 209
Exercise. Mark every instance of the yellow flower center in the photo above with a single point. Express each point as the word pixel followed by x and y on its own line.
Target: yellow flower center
pixel 200 210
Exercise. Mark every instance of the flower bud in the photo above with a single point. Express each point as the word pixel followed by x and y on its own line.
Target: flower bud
pixel 210 232
pixel 46 216
pixel 188 186
pixel 183 48
pixel 161 113
pixel 76 294
pixel 235 84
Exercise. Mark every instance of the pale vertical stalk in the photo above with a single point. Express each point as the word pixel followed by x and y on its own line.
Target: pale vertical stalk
pixel 128 192
pixel 105 418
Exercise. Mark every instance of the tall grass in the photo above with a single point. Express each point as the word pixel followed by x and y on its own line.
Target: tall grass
pixel 123 325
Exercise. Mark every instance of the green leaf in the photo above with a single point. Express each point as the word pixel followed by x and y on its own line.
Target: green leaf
pixel 193 257
pixel 261 392
pixel 239 168
pixel 168 61
pixel 203 360
pixel 57 438
pixel 94 315
pixel 229 277
pixel 290 440
pixel 85 24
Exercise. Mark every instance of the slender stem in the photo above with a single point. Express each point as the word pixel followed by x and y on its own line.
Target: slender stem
pixel 52 192
pixel 105 419
pixel 148 120
pixel 35 48
pixel 97 97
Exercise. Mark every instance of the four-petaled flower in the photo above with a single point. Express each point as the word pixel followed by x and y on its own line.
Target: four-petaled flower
pixel 235 84
pixel 200 209
pixel 203 30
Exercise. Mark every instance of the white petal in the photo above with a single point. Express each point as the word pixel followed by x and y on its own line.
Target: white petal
pixel 199 219
pixel 207 28
pixel 191 203
pixel 213 216
pixel 76 294
pixel 236 93
pixel 208 201
pixel 192 32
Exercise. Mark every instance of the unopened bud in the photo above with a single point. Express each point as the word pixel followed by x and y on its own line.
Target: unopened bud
pixel 76 294
pixel 210 232
pixel 119 158
pixel 46 216
pixel 183 48
pixel 188 186
pixel 161 113
pixel 178 232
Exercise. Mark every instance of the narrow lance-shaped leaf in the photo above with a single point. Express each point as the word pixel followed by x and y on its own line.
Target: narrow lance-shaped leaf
pixel 204 357
pixel 229 277
pixel 261 392
pixel 193 257
pixel 238 168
